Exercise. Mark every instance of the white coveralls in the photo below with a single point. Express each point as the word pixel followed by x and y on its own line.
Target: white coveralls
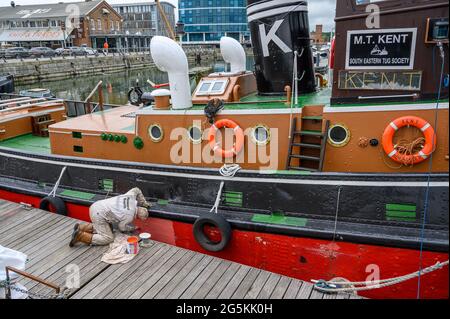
pixel 120 209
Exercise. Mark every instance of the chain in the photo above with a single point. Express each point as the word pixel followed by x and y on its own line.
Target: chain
pixel 33 295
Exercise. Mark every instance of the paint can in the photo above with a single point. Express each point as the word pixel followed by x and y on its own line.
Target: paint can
pixel 133 245
pixel 145 239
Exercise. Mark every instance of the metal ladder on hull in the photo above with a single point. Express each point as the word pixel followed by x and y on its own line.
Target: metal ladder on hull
pixel 302 134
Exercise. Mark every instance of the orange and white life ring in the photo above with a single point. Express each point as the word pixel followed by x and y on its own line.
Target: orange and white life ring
pixel 238 145
pixel 424 126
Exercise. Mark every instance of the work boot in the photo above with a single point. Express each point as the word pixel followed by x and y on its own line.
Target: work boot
pixel 88 228
pixel 80 236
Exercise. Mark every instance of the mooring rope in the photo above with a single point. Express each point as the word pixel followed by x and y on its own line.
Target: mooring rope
pixel 335 287
pixel 226 171
pixel 55 188
pixel 430 168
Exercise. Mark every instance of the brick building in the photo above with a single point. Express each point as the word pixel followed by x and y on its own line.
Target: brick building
pixel 63 24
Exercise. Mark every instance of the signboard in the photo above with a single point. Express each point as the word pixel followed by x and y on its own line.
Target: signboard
pixel 380 80
pixel 389 49
pixel 32 35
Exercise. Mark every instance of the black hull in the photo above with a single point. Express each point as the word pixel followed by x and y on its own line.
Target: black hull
pixel 189 192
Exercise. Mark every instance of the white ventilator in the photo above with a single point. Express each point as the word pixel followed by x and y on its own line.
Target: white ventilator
pixel 169 57
pixel 233 53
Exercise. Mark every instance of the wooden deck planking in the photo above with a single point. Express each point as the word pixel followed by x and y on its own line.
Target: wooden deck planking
pixel 161 271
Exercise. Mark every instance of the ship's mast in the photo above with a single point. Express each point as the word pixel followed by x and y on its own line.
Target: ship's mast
pixel 166 21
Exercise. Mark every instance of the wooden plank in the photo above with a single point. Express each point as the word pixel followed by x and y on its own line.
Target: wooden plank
pixel 246 284
pixel 116 274
pixel 88 267
pixel 29 236
pixel 133 282
pixel 222 282
pixel 11 211
pixel 16 220
pixel 305 291
pixel 269 286
pixel 315 294
pixel 22 229
pixel 171 272
pixel 179 283
pixel 201 279
pixel 212 280
pixel 293 289
pixel 281 288
pixel 149 282
pixel 234 283
pixel 257 285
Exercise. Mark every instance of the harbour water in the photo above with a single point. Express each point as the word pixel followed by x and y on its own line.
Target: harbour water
pixel 116 85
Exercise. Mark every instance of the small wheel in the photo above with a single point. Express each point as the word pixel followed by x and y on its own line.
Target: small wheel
pixel 54 205
pixel 218 221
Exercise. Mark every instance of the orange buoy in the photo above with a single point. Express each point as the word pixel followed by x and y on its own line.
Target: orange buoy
pixel 215 146
pixel 394 126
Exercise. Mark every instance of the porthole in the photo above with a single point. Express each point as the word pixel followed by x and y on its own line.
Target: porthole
pixel 260 134
pixel 339 135
pixel 195 134
pixel 156 133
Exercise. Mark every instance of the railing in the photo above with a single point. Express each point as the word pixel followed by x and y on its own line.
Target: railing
pixel 73 108
pixel 98 88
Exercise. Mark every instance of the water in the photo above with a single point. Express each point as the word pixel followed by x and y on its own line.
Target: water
pixel 116 85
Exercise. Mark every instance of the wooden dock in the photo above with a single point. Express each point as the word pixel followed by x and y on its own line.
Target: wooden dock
pixel 160 271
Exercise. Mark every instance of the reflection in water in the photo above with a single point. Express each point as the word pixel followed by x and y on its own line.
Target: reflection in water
pixel 115 85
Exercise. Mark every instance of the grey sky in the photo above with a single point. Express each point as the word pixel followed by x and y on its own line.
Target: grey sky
pixel 320 11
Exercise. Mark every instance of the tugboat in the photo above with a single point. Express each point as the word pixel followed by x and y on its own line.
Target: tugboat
pixel 268 169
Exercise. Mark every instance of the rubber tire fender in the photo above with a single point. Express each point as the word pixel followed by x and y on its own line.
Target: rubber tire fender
pixel 218 221
pixel 56 202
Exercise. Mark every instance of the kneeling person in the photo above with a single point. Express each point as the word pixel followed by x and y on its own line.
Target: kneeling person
pixel 122 209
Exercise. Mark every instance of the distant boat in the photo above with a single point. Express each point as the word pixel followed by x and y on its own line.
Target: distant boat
pixel 6 84
pixel 37 93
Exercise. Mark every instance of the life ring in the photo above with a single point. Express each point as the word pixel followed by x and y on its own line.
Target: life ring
pixel 53 204
pixel 215 220
pixel 394 126
pixel 215 145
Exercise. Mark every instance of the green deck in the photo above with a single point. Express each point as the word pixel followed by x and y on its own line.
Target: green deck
pixel 256 101
pixel 29 143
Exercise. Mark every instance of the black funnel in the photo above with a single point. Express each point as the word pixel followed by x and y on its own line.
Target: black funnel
pixel 279 28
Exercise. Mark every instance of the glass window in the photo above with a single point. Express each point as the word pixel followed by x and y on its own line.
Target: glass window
pixel 212 87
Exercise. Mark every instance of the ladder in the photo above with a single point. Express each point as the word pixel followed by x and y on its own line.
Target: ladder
pixel 310 145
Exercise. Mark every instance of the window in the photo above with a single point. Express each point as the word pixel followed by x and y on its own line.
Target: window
pixel 117 25
pixel 99 24
pixel 92 25
pixel 339 135
pixel 260 135
pixel 195 134
pixel 212 87
pixel 156 133
pixel 78 149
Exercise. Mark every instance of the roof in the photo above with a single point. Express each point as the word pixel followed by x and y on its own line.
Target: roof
pixel 44 11
pixel 118 3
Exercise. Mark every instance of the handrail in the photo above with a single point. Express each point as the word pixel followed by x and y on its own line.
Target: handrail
pixel 99 88
pixel 27 275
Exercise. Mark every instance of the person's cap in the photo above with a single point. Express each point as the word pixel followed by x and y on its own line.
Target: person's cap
pixel 142 212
